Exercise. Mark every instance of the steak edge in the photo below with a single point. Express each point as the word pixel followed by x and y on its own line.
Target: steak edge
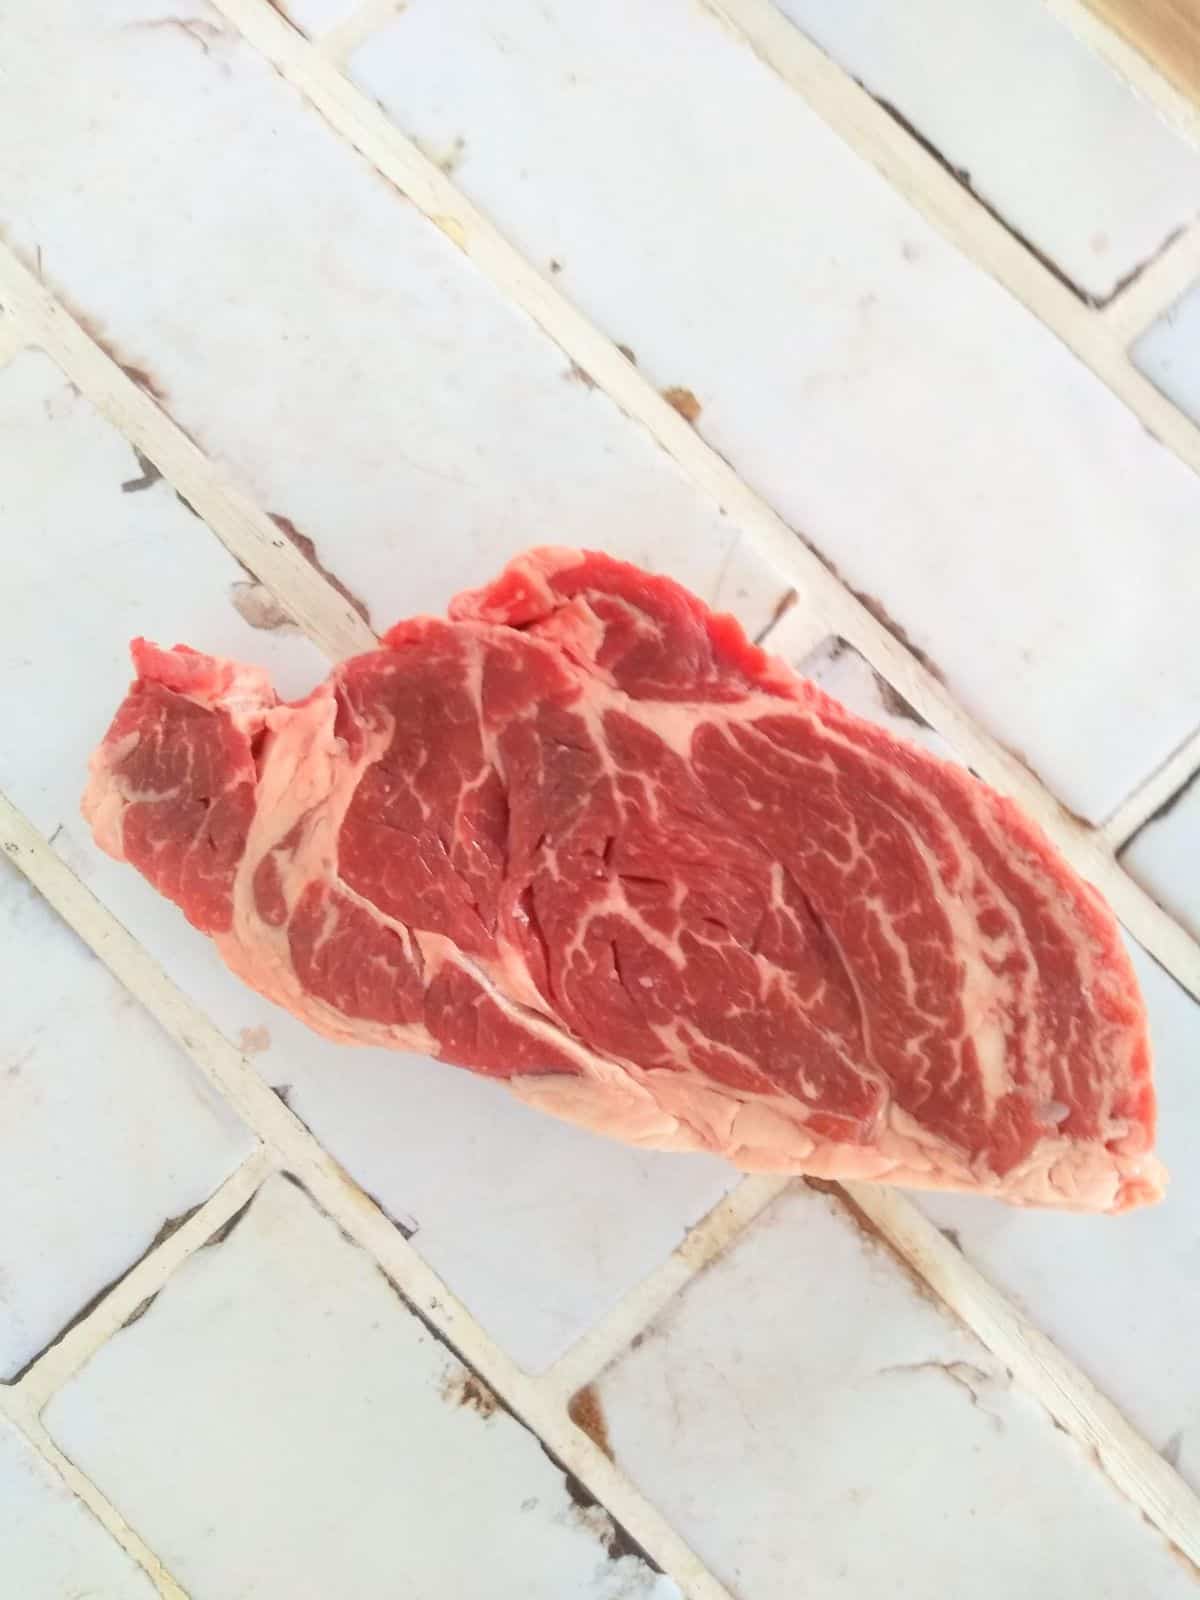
pixel 583 837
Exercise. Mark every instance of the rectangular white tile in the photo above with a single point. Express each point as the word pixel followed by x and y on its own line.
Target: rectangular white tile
pixel 1169 353
pixel 1040 126
pixel 51 1547
pixel 813 1424
pixel 324 1442
pixel 312 331
pixel 1164 857
pixel 928 435
pixel 106 1131
pixel 1120 1295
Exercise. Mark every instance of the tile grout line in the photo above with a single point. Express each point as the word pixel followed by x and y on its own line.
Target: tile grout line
pixel 918 175
pixel 1166 781
pixel 99 1505
pixel 1155 289
pixel 1091 1419
pixel 634 1312
pixel 363 124
pixel 1079 1408
pixel 1139 72
pixel 124 1300
pixel 245 530
pixel 289 1144
pixel 345 36
pixel 12 339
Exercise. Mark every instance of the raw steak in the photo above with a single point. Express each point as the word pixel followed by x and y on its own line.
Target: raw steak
pixel 586 838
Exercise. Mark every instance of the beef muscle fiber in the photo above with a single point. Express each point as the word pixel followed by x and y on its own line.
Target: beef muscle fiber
pixel 584 837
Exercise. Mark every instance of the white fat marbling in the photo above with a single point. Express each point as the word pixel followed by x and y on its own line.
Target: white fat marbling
pixel 1164 857
pixel 812 1424
pixel 1169 353
pixel 1050 135
pixel 1120 1295
pixel 316 334
pixel 51 1547
pixel 324 1443
pixel 900 409
pixel 106 1131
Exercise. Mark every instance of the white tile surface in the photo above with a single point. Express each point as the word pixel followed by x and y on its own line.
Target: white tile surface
pixel 813 1425
pixel 920 428
pixel 324 1443
pixel 313 331
pixel 105 1130
pixel 51 1548
pixel 538 1226
pixel 1169 353
pixel 1121 1296
pixel 1165 858
pixel 1050 135
pixel 89 563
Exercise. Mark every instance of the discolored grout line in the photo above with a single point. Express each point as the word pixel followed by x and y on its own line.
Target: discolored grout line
pixel 289 1145
pixel 921 176
pixel 1153 796
pixel 699 1248
pixel 125 1300
pixel 251 536
pixel 1156 288
pixel 92 1498
pixel 1136 1468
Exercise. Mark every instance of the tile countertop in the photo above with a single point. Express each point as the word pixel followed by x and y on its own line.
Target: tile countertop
pixel 425 283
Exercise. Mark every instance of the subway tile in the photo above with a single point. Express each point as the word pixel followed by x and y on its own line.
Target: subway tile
pixel 1045 132
pixel 1120 1295
pixel 1169 353
pixel 51 1546
pixel 324 1442
pixel 106 1131
pixel 313 332
pixel 811 1422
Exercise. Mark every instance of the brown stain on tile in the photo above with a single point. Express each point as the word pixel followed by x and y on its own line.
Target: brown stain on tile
pixel 465 1389
pixel 257 606
pixel 894 702
pixel 308 550
pixel 148 476
pixel 587 1413
pixel 577 374
pixel 873 1235
pixel 253 1041
pixel 683 401
pixel 196 29
pixel 897 629
pixel 627 352
pixel 783 605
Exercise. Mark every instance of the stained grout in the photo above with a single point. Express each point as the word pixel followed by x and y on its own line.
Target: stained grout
pixel 232 518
